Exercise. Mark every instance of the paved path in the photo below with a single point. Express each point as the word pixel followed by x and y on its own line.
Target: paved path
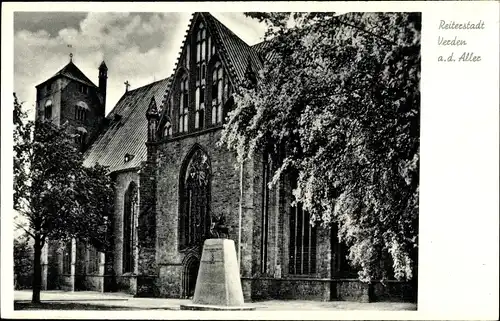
pixel 117 300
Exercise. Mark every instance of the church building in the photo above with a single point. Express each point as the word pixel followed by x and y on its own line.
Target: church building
pixel 173 184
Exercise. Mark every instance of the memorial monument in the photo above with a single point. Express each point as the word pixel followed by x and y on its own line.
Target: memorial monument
pixel 218 286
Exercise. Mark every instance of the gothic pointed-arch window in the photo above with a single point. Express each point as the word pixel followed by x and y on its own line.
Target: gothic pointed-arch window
pixel 129 215
pixel 167 130
pixel 188 56
pixel 201 72
pixel 48 109
pixel 67 249
pixel 93 260
pixel 209 48
pixel 81 110
pixel 199 115
pixel 183 105
pixel 302 256
pixel 303 239
pixel 194 213
pixel 217 93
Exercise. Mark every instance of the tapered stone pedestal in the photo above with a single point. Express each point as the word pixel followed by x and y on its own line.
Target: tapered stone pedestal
pixel 218 286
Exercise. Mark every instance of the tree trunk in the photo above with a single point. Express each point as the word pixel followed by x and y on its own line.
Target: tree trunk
pixel 37 276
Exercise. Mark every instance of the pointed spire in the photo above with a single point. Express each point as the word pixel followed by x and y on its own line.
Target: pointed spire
pixel 103 66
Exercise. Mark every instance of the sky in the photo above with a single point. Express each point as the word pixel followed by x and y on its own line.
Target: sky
pixel 137 47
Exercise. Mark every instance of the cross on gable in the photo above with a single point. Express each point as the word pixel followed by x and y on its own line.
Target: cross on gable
pixel 127 84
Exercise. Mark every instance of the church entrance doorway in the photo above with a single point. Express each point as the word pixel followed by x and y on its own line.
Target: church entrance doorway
pixel 190 275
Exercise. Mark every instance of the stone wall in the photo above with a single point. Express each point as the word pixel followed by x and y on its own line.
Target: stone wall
pixel 329 290
pixel 225 198
pixel 70 95
pixel 44 94
pixel 393 291
pixel 147 268
pixel 286 289
pixel 119 281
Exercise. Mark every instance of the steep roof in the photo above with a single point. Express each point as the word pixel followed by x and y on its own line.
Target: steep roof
pixel 262 49
pixel 71 71
pixel 236 51
pixel 127 130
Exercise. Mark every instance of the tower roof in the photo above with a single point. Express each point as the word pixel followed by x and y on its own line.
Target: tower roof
pixel 71 71
pixel 103 66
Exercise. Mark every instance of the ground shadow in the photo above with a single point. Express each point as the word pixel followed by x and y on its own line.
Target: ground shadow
pixel 51 305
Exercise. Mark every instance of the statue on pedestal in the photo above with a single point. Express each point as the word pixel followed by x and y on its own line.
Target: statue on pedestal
pixel 218 228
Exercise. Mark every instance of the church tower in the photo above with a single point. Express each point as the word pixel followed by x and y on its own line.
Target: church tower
pixel 103 80
pixel 71 98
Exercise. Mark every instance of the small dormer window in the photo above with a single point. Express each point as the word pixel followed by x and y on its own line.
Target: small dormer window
pixel 48 109
pixel 128 157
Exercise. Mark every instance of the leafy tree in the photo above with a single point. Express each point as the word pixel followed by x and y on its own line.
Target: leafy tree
pixel 23 262
pixel 338 102
pixel 57 197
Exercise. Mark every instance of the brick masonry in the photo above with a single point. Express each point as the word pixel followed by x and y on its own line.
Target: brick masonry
pixel 64 96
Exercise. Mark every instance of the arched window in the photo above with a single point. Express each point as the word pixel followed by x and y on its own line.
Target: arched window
pixel 201 43
pixel 83 89
pixel 129 213
pixel 209 48
pixel 67 258
pixel 201 72
pixel 302 242
pixel 194 224
pixel 302 256
pixel 93 260
pixel 167 130
pixel 183 105
pixel 81 110
pixel 217 93
pixel 199 116
pixel 48 109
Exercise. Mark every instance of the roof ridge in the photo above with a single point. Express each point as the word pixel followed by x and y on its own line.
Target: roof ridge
pixel 177 61
pixel 131 133
pixel 222 47
pixel 150 84
pixel 134 91
pixel 224 26
pixel 75 74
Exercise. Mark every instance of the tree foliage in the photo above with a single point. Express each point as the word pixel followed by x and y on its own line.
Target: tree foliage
pixel 338 101
pixel 57 197
pixel 23 263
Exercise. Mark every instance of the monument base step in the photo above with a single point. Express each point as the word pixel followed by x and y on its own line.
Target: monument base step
pixel 201 307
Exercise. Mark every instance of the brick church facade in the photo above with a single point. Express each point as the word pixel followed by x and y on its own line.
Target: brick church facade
pixel 173 183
